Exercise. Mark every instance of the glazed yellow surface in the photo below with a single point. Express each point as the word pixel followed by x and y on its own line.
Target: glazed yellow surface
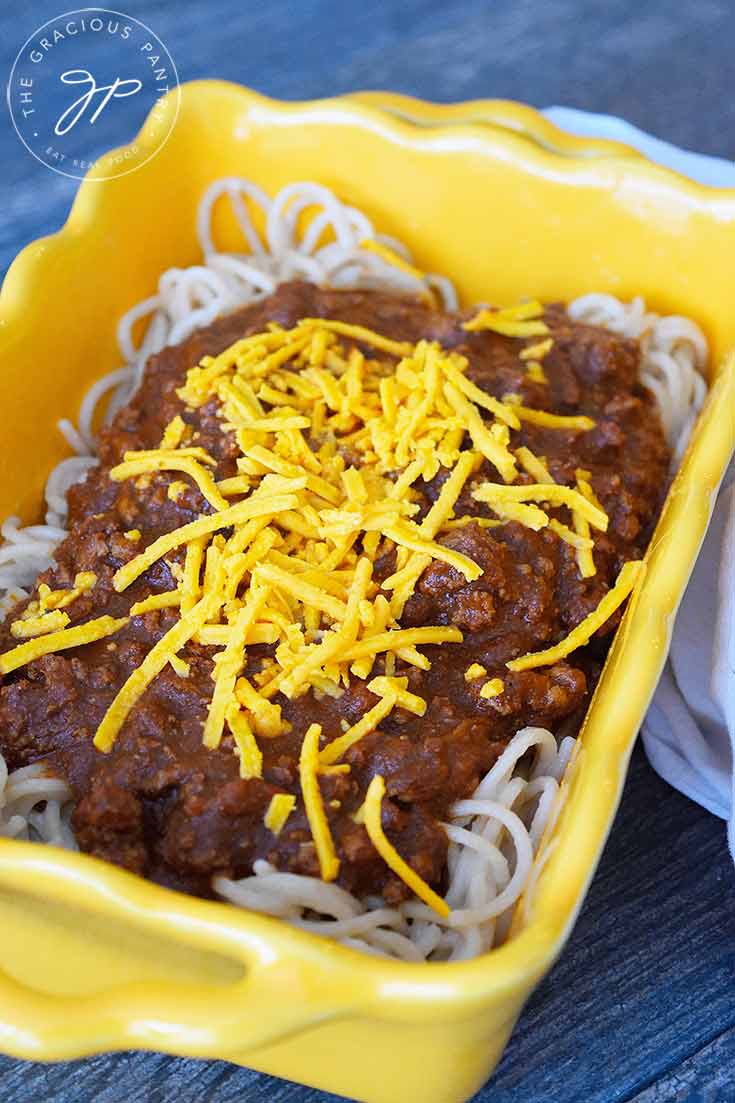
pixel 517 118
pixel 506 205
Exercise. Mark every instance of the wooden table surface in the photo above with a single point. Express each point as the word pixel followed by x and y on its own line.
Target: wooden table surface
pixel 641 1006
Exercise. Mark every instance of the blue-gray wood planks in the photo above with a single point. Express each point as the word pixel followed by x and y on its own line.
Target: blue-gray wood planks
pixel 641 1006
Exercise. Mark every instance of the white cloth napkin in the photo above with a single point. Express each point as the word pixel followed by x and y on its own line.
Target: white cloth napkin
pixel 689 731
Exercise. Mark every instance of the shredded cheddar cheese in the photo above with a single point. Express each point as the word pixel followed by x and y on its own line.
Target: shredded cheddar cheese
pixel 84 581
pixel 403 534
pixel 175 489
pixel 389 854
pixel 61 640
pixel 169 599
pixel 442 509
pixel 577 422
pixel 530 516
pixel 367 723
pixel 250 754
pixel 537 351
pixel 579 538
pixel 190 581
pixel 493 688
pixel 28 627
pixel 534 465
pixel 243 511
pixel 311 794
pixel 228 667
pixel 584 631
pixel 535 372
pixel 152 665
pixel 492 446
pixel 314 595
pixel 523 320
pixel 361 334
pixel 174 433
pixel 493 493
pixel 265 715
pixel 141 463
pixel 400 638
pixel 581 543
pixel 280 808
pixel 390 256
pixel 585 558
pixel 585 486
pixel 179 666
pixel 399 687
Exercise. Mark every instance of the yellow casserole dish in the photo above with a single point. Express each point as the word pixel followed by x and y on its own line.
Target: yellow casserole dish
pixel 96 959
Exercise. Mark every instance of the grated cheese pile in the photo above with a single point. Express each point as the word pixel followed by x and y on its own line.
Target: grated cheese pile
pixel 335 424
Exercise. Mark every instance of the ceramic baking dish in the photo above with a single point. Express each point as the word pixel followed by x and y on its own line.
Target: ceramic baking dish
pixel 93 958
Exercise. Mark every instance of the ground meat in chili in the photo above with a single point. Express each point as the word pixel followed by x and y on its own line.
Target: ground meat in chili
pixel 162 804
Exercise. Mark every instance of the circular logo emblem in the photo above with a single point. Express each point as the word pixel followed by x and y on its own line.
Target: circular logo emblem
pixel 90 80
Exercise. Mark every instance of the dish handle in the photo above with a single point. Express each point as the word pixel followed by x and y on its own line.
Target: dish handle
pixel 254 981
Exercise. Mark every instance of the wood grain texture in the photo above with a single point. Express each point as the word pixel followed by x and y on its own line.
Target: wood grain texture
pixel 706 1077
pixel 640 1007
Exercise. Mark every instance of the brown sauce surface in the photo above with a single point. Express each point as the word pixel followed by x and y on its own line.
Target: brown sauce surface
pixel 163 805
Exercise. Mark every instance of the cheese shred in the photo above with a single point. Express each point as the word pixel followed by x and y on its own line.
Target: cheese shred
pixel 493 688
pixel 630 574
pixel 523 320
pixel 212 522
pixel 251 757
pixel 390 256
pixel 367 723
pixel 280 808
pixel 389 854
pixel 554 494
pixel 312 797
pixel 61 640
pixel 134 688
pixel 29 627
